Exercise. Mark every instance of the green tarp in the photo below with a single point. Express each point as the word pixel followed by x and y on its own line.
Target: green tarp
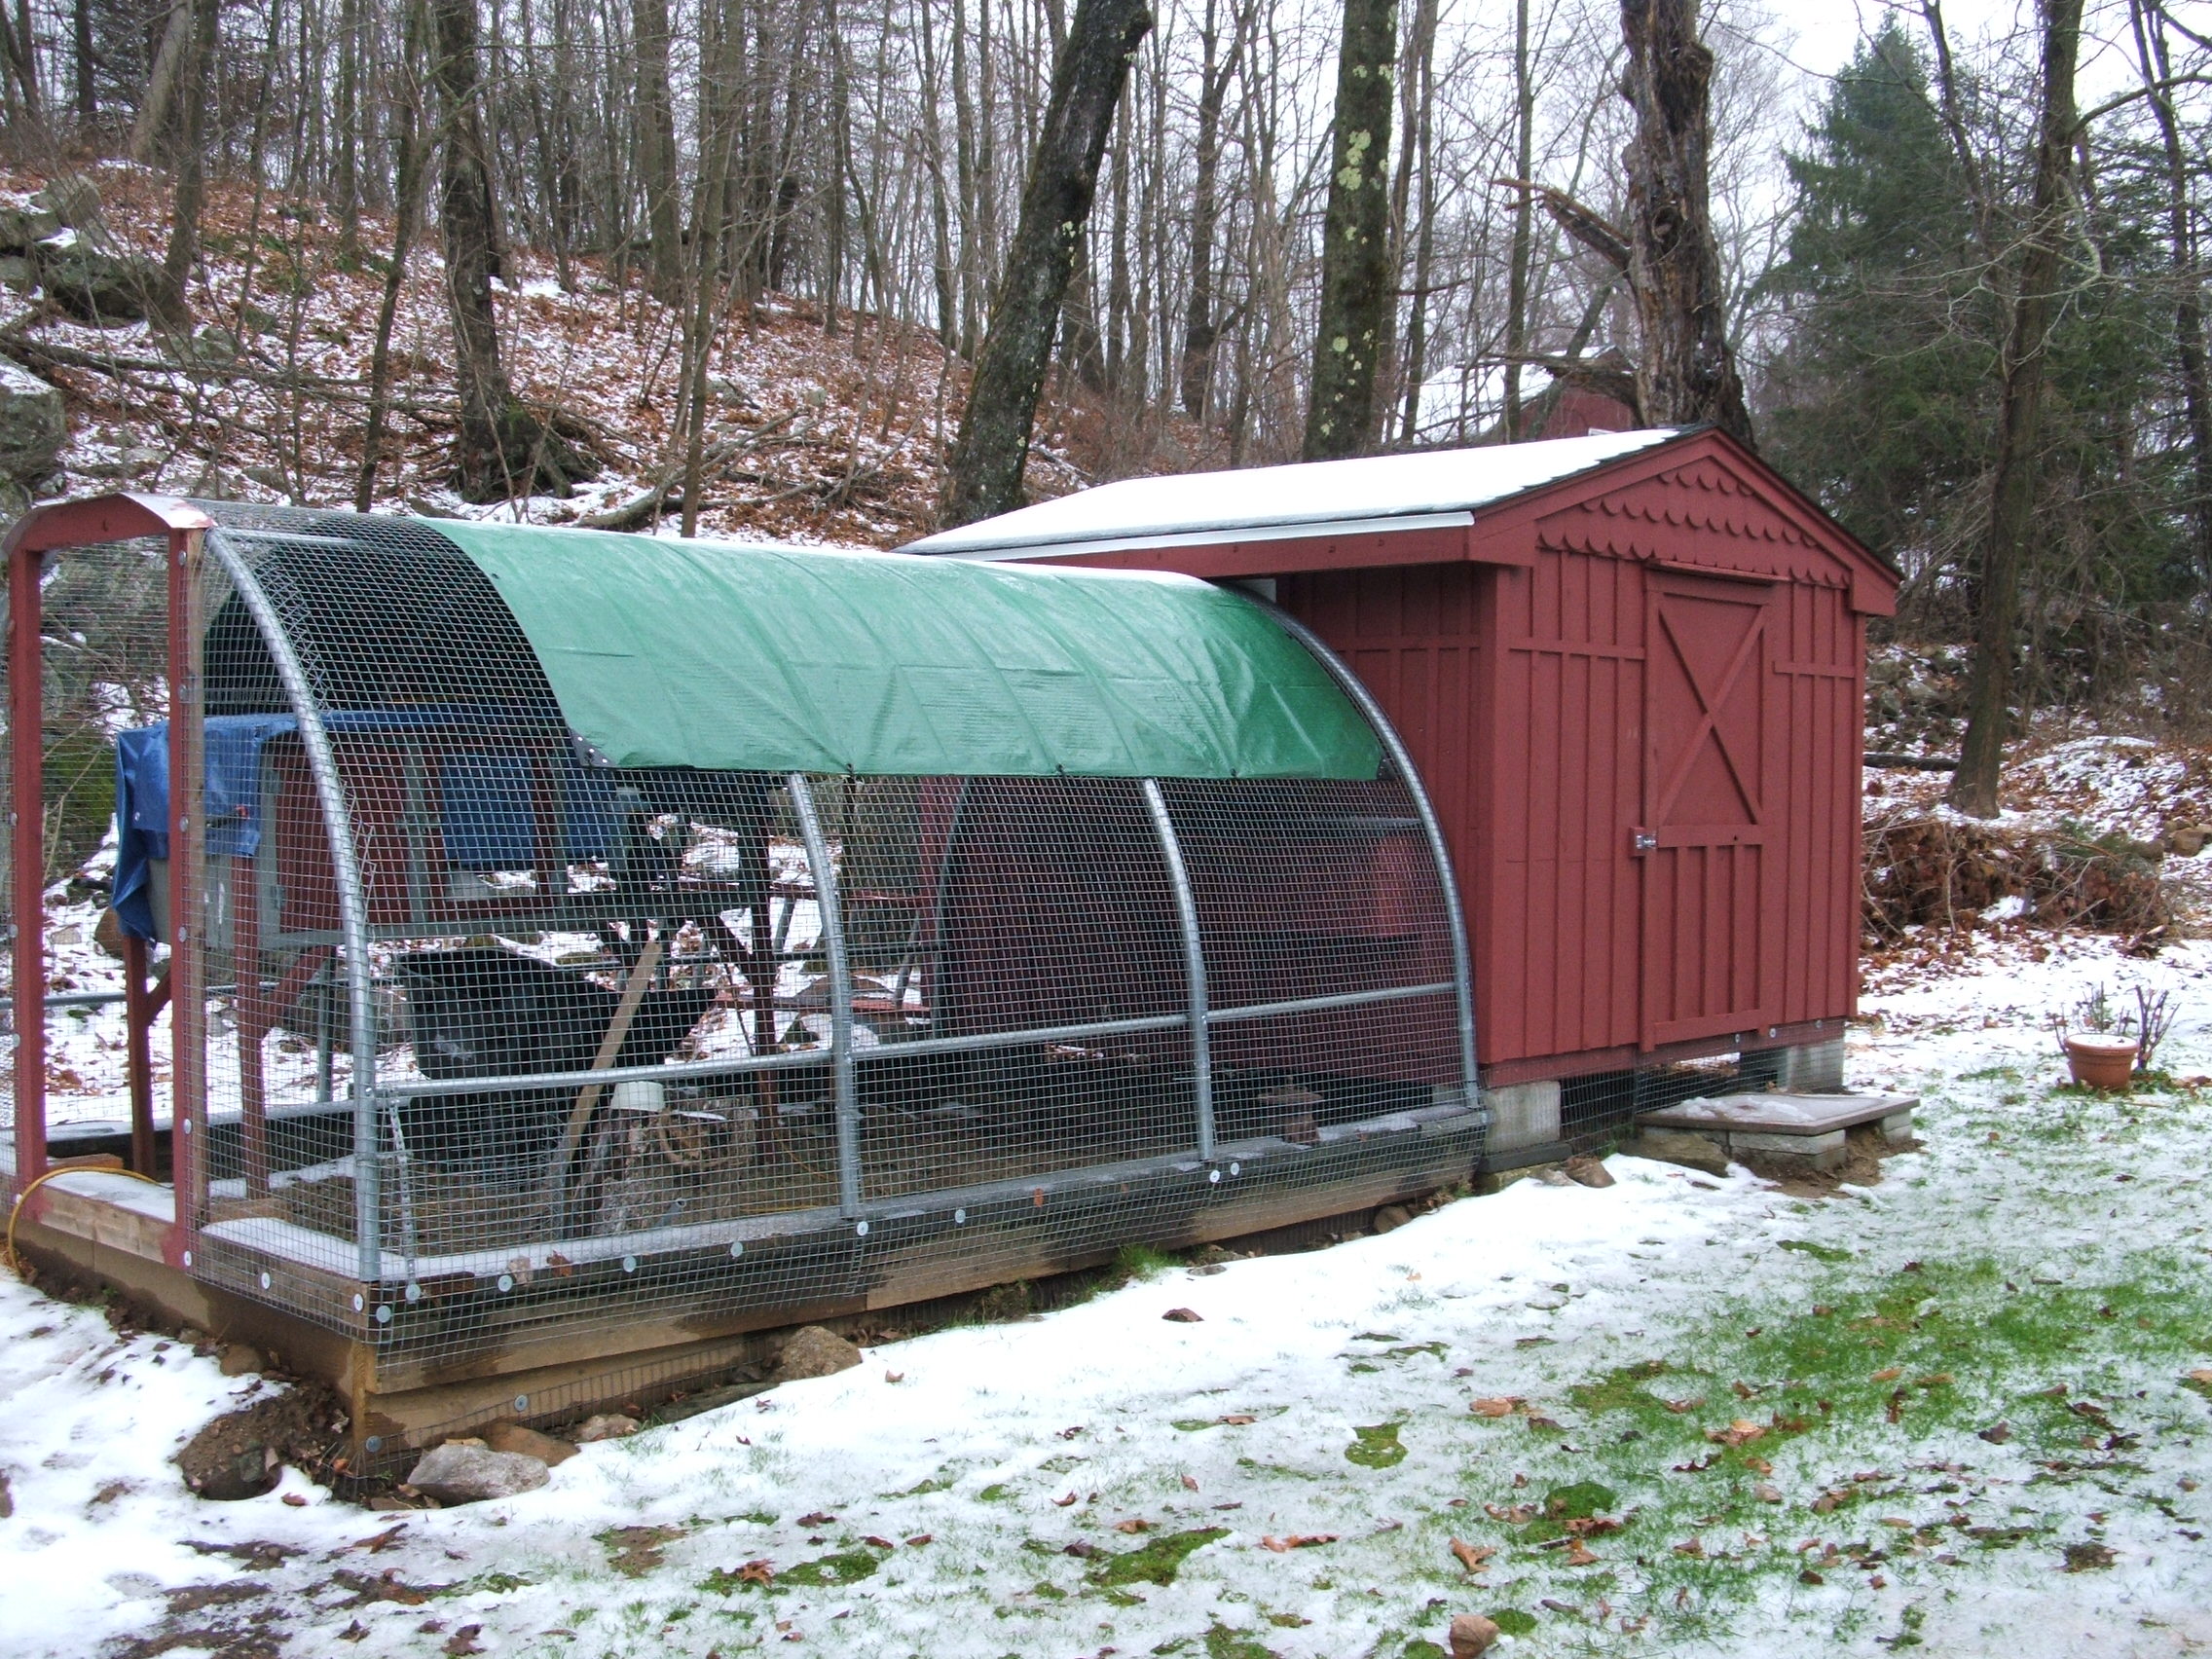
pixel 720 655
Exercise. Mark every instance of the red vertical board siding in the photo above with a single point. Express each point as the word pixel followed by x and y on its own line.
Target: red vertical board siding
pixel 1567 711
pixel 1820 681
pixel 1525 692
pixel 1411 634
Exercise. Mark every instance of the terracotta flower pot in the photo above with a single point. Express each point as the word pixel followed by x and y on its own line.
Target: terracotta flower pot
pixel 2101 1062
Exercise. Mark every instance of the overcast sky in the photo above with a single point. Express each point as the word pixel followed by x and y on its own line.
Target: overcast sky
pixel 1828 30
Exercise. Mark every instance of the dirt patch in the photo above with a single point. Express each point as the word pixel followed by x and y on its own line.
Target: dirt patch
pixel 1864 1150
pixel 238 1454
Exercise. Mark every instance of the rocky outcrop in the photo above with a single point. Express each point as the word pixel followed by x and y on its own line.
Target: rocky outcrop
pixel 32 426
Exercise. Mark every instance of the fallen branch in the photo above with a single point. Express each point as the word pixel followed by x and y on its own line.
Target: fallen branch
pixel 1592 229
pixel 1882 759
pixel 649 505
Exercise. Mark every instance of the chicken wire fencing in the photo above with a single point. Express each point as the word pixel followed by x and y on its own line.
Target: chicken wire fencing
pixel 484 1040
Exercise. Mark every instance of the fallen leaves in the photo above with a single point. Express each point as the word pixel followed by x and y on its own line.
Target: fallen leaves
pixel 1296 1541
pixel 1063 1502
pixel 1888 1374
pixel 1135 1524
pixel 1683 1408
pixel 820 1518
pixel 1513 1515
pixel 1182 1316
pixel 1578 1555
pixel 2089 1558
pixel 1473 1557
pixel 1741 1432
pixel 1190 1483
pixel 1498 1405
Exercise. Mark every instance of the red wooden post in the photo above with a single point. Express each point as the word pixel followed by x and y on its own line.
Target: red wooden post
pixel 188 1004
pixel 28 818
pixel 138 1012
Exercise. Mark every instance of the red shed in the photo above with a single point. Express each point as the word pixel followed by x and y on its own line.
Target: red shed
pixel 1630 667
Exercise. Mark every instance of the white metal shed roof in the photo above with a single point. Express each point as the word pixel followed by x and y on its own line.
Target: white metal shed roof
pixel 1291 500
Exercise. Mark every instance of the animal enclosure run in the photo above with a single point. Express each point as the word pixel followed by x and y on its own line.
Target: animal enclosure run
pixel 541 931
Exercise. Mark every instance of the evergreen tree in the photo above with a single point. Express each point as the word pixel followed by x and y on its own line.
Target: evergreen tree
pixel 1883 394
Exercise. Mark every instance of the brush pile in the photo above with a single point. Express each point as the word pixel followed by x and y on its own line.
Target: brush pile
pixel 1935 869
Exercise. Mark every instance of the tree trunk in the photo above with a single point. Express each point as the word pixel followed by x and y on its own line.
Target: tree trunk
pixel 1199 328
pixel 1684 372
pixel 1524 221
pixel 2012 477
pixel 191 192
pixel 993 446
pixel 2188 285
pixel 81 59
pixel 502 450
pixel 150 132
pixel 407 206
pixel 656 152
pixel 1355 254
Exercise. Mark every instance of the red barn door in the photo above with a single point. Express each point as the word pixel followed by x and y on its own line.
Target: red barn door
pixel 1709 840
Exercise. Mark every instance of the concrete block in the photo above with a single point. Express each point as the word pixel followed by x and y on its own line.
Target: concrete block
pixel 1898 1127
pixel 1813 1068
pixel 1522 1114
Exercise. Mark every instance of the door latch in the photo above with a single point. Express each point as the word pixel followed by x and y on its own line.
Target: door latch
pixel 1642 841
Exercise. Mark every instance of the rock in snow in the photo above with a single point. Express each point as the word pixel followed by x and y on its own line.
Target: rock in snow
pixel 812 1352
pixel 469 1472
pixel 33 424
pixel 529 1443
pixel 608 1426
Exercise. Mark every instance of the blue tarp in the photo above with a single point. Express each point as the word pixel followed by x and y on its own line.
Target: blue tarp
pixel 488 813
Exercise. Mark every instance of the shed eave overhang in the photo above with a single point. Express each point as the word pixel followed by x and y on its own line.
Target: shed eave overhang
pixel 1213 536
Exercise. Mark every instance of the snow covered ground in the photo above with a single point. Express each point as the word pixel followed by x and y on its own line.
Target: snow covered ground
pixel 1951 1411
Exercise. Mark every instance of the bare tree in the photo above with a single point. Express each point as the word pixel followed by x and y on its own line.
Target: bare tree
pixel 988 457
pixel 1355 248
pixel 503 450
pixel 1685 373
pixel 2012 472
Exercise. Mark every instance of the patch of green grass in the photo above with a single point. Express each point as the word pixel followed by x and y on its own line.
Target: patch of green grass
pixel 998 1492
pixel 1376 1448
pixel 1618 1390
pixel 846 1567
pixel 942 1481
pixel 1155 1561
pixel 1135 1262
pixel 1221 1643
pixel 1512 1621
pixel 1828 1253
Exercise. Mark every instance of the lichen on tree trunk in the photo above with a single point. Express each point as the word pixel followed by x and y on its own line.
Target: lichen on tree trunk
pixel 1355 255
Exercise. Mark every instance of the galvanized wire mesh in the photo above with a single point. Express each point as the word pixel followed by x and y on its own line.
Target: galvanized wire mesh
pixel 104 619
pixel 500 1043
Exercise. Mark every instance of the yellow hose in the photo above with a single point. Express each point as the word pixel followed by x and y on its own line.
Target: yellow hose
pixel 16 1210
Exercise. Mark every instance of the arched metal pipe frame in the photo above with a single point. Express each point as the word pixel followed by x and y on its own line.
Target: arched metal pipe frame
pixel 193 537
pixel 352 907
pixel 1401 759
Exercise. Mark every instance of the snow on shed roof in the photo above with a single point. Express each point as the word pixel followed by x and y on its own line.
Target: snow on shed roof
pixel 1313 494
